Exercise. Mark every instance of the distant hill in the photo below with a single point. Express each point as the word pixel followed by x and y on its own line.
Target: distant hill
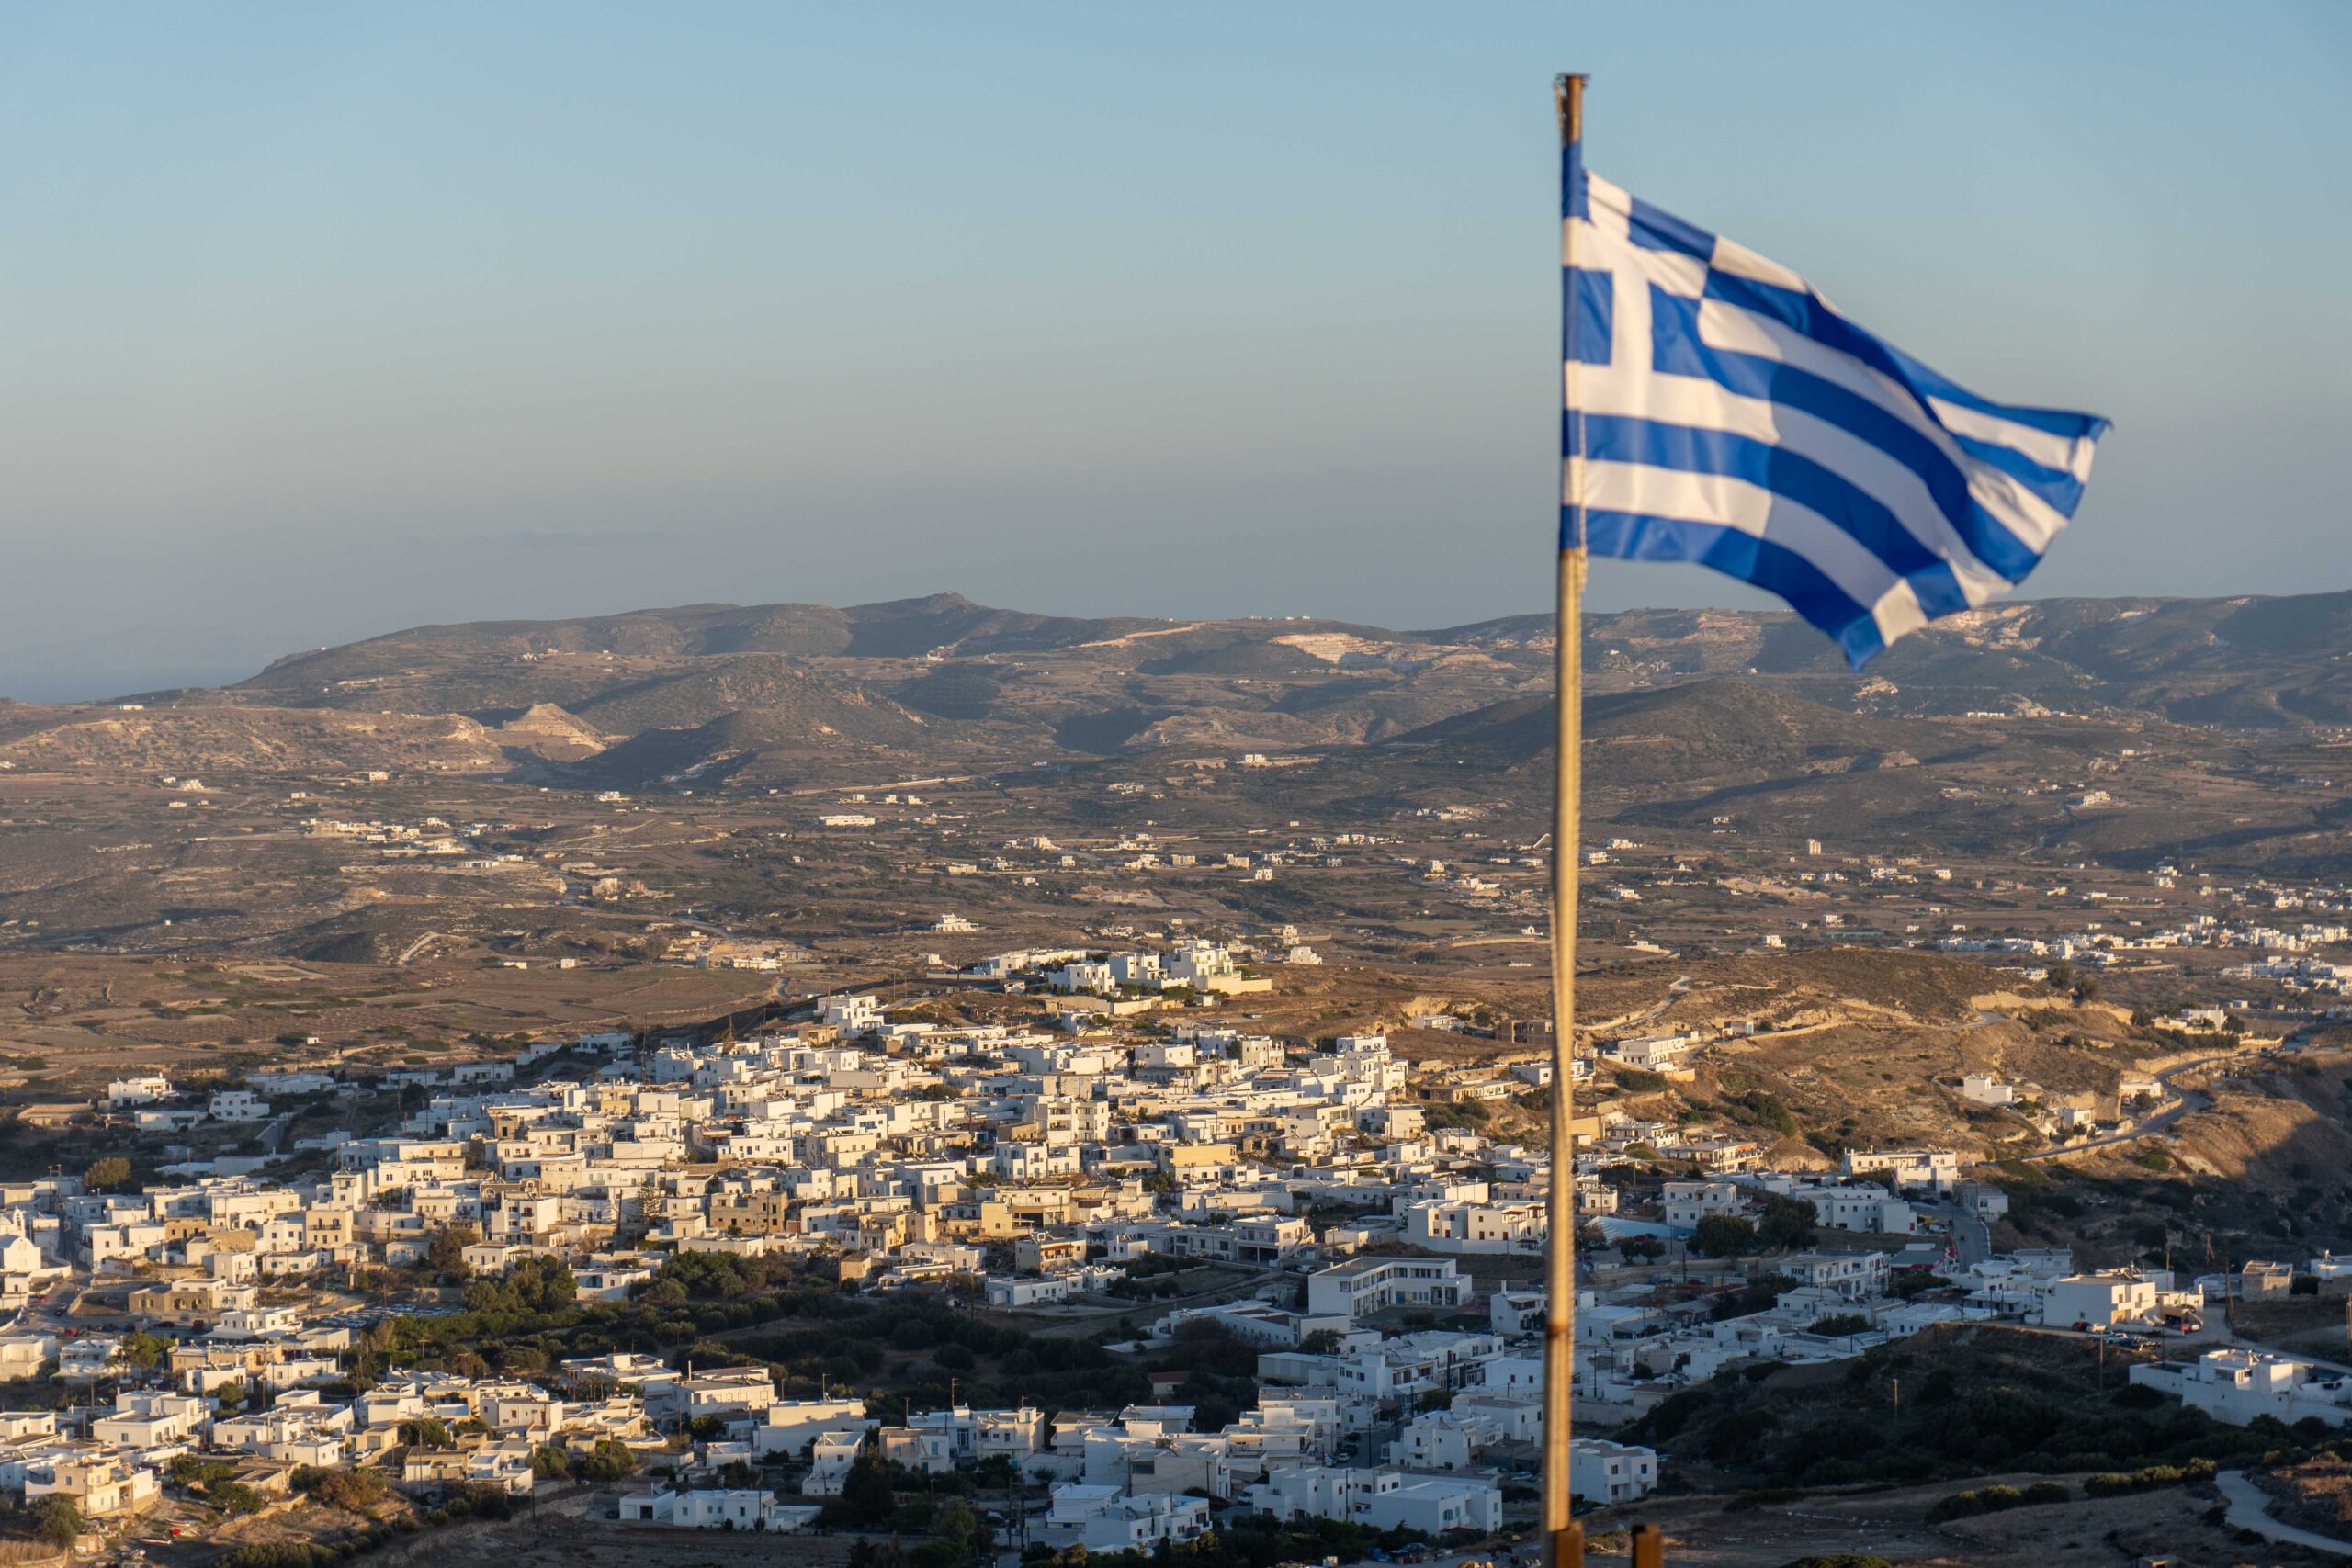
pixel 788 691
pixel 219 738
pixel 1717 726
pixel 899 628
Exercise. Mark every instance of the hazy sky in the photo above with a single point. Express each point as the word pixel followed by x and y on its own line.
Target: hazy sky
pixel 321 320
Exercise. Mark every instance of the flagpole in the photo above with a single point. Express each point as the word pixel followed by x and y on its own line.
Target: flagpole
pixel 1564 1539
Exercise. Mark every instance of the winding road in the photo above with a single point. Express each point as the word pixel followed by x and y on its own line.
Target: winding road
pixel 2250 1510
pixel 2184 1101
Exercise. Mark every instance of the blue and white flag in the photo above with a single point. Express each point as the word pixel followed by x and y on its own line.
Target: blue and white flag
pixel 1720 411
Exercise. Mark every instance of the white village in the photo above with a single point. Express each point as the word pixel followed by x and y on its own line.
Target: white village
pixel 229 1335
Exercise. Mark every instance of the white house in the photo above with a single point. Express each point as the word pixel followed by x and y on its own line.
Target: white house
pixel 1105 1518
pixel 1477 1227
pixel 1652 1052
pixel 1939 1168
pixel 2238 1385
pixel 1435 1507
pixel 1850 1276
pixel 1603 1471
pixel 2100 1299
pixel 1383 1499
pixel 792 1424
pixel 739 1509
pixel 237 1105
pixel 1983 1088
pixel 145 1090
pixel 832 1456
pixel 1688 1202
pixel 1864 1207
pixel 1363 1286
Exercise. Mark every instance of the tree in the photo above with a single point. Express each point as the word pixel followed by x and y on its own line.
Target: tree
pixel 1723 1235
pixel 56 1519
pixel 107 1175
pixel 867 1497
pixel 446 1255
pixel 523 1360
pixel 954 1521
pixel 235 1497
pixel 608 1460
pixel 1788 1224
pixel 426 1432
pixel 193 1470
pixel 142 1350
pixel 355 1491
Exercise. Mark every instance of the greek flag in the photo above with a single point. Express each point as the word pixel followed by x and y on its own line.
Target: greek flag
pixel 1720 411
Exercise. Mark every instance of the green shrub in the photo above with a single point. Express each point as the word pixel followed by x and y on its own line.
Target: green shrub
pixel 235 1496
pixel 1986 1500
pixel 2118 1483
pixel 56 1519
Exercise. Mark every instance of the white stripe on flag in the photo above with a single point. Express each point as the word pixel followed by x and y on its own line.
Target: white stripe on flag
pixel 1735 503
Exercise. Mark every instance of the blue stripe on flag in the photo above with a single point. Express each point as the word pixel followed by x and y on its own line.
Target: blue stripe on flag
pixel 1808 314
pixel 2061 491
pixel 1861 478
pixel 1636 536
pixel 1843 504
pixel 2057 421
pixel 1575 205
pixel 1679 350
pixel 1657 230
pixel 1593 302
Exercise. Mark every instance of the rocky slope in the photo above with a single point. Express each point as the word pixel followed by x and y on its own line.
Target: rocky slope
pixel 761 695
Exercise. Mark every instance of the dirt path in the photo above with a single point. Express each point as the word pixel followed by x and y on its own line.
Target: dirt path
pixel 576 1531
pixel 1702 1533
pixel 2188 1099
pixel 2250 1509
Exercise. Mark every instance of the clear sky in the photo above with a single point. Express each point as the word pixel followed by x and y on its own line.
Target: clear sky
pixel 321 320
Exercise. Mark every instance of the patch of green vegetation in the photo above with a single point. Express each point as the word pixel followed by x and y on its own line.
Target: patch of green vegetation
pixel 1974 1400
pixel 1994 1499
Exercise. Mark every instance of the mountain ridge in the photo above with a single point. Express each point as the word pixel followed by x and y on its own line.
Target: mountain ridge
pixel 710 689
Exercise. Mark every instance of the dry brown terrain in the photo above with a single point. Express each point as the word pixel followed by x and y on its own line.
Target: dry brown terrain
pixel 70 1022
pixel 2093 1533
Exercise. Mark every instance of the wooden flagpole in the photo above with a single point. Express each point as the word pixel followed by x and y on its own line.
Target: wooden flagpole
pixel 1564 1538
